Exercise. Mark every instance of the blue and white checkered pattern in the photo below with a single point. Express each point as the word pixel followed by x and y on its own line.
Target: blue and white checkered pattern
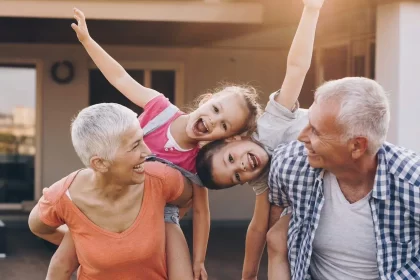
pixel 395 206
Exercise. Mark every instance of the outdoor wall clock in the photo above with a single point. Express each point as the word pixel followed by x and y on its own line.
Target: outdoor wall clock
pixel 62 72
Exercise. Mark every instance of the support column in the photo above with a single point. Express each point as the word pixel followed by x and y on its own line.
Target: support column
pixel 398 68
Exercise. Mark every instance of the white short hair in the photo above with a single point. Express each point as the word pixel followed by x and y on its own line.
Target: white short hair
pixel 97 130
pixel 364 108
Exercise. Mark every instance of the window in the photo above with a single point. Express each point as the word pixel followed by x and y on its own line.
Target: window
pixel 165 81
pixel 17 132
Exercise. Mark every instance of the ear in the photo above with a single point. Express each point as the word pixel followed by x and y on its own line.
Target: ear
pixel 206 97
pixel 358 147
pixel 234 138
pixel 99 164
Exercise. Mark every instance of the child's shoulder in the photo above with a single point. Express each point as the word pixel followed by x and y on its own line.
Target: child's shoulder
pixel 153 108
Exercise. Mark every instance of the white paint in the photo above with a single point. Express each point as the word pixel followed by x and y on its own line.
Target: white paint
pixel 178 11
pixel 397 64
pixel 203 70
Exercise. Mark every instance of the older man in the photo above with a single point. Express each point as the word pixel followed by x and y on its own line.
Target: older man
pixel 354 198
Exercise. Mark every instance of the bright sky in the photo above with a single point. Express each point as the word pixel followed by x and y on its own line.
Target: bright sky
pixel 17 88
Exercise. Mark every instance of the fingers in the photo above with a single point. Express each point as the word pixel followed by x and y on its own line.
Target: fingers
pixel 78 13
pixel 204 275
pixel 75 27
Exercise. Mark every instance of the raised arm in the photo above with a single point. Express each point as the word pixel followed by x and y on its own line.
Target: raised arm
pixel 300 54
pixel 110 68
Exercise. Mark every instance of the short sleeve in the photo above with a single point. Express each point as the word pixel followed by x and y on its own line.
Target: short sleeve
pixel 277 194
pixel 260 187
pixel 278 124
pixel 173 184
pixel 153 108
pixel 49 205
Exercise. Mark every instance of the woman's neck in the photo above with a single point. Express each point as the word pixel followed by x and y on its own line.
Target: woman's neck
pixel 106 188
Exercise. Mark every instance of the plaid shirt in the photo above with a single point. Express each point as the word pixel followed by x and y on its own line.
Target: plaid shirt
pixel 395 206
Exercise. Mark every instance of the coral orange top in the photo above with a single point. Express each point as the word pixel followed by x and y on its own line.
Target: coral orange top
pixel 136 253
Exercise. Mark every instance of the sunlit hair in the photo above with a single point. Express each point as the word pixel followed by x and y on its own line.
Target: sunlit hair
pixel 364 108
pixel 248 93
pixel 97 130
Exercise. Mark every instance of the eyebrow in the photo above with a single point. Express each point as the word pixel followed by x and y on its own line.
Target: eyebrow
pixel 220 105
pixel 313 127
pixel 137 141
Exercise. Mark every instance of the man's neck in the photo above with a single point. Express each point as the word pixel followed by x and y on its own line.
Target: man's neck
pixel 358 172
pixel 356 180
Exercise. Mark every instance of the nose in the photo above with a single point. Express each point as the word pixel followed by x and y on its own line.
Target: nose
pixel 242 166
pixel 145 151
pixel 216 119
pixel 303 135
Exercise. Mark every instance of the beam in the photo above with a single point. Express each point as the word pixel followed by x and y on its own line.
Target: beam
pixel 169 11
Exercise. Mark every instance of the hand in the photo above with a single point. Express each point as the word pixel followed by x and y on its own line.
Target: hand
pixel 80 28
pixel 200 272
pixel 314 4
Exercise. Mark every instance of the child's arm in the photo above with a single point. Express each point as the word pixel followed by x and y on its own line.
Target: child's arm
pixel 64 261
pixel 300 54
pixel 278 262
pixel 201 230
pixel 110 68
pixel 256 237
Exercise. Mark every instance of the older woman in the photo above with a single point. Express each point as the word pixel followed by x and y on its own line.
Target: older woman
pixel 114 207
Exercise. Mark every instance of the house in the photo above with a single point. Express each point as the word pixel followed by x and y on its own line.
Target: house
pixel 185 48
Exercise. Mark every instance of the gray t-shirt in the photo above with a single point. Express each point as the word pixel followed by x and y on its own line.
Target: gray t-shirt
pixel 277 125
pixel 344 246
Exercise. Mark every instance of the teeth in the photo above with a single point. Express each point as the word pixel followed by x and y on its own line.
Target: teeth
pixel 253 160
pixel 205 125
pixel 139 167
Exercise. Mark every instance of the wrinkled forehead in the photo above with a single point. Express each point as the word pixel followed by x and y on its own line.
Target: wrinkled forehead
pixel 323 114
pixel 131 135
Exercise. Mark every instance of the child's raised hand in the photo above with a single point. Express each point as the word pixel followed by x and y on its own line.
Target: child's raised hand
pixel 315 4
pixel 80 28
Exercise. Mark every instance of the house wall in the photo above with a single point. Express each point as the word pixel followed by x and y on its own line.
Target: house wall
pixel 204 68
pixel 257 58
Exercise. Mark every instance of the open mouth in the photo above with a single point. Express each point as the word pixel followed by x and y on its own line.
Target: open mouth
pixel 201 127
pixel 254 161
pixel 309 151
pixel 139 168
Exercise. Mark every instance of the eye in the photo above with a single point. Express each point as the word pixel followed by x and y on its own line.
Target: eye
pixel 230 158
pixel 238 177
pixel 137 145
pixel 313 130
pixel 224 126
pixel 215 109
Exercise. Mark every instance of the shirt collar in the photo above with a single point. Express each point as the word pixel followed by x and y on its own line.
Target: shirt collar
pixel 382 181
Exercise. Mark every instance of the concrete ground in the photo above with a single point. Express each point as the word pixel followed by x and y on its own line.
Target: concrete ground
pixel 28 256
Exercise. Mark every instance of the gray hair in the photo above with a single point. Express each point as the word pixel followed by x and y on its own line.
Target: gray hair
pixel 364 108
pixel 97 130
